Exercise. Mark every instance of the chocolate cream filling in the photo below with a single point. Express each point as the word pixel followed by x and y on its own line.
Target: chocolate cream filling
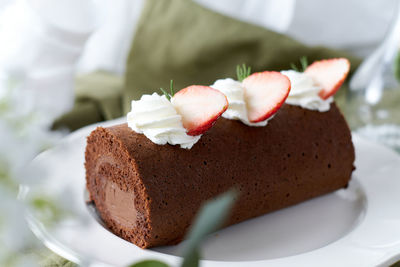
pixel 120 204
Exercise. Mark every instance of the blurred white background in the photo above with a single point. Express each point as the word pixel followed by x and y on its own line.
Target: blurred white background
pixel 351 25
pixel 42 40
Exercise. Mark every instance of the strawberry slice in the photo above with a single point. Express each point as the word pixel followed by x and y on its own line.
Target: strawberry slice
pixel 264 94
pixel 329 74
pixel 200 107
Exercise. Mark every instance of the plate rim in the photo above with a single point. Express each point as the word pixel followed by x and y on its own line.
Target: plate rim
pixel 40 231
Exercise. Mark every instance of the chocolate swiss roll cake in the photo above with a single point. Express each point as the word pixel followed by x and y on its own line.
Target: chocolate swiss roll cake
pixel 149 194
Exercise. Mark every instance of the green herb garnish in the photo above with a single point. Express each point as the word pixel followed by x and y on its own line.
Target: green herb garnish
pixel 242 72
pixel 303 63
pixel 171 89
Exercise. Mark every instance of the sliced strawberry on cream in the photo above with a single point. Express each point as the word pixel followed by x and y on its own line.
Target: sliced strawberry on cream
pixel 200 107
pixel 264 94
pixel 329 74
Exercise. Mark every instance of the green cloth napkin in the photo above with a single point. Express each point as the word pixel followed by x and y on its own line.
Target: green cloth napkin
pixel 98 97
pixel 183 41
pixel 180 40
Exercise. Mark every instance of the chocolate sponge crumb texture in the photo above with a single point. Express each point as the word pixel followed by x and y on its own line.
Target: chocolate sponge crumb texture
pixel 149 194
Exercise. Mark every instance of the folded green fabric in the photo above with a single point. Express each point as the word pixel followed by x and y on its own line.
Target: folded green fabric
pixel 183 41
pixel 180 40
pixel 98 97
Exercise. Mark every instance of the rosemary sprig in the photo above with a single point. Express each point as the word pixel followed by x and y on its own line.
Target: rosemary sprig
pixel 294 67
pixel 242 72
pixel 171 90
pixel 303 63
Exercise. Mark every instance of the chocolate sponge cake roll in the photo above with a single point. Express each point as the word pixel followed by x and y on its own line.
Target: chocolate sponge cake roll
pixel 149 194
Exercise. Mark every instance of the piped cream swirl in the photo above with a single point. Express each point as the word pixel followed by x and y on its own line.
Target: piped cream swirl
pixel 304 92
pixel 237 106
pixel 156 118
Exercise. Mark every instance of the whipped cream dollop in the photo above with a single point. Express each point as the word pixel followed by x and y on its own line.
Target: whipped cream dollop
pixel 234 92
pixel 156 118
pixel 304 92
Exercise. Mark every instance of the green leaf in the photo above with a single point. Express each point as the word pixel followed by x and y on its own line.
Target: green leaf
pixel 192 259
pixel 209 219
pixel 171 88
pixel 48 209
pixel 397 66
pixel 149 263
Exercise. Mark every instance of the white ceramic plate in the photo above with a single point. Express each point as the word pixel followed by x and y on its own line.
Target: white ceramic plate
pixel 357 226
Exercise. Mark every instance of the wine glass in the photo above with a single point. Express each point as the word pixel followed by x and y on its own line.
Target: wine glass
pixel 374 98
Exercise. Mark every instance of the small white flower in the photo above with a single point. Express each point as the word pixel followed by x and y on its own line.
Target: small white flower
pixel 24 132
